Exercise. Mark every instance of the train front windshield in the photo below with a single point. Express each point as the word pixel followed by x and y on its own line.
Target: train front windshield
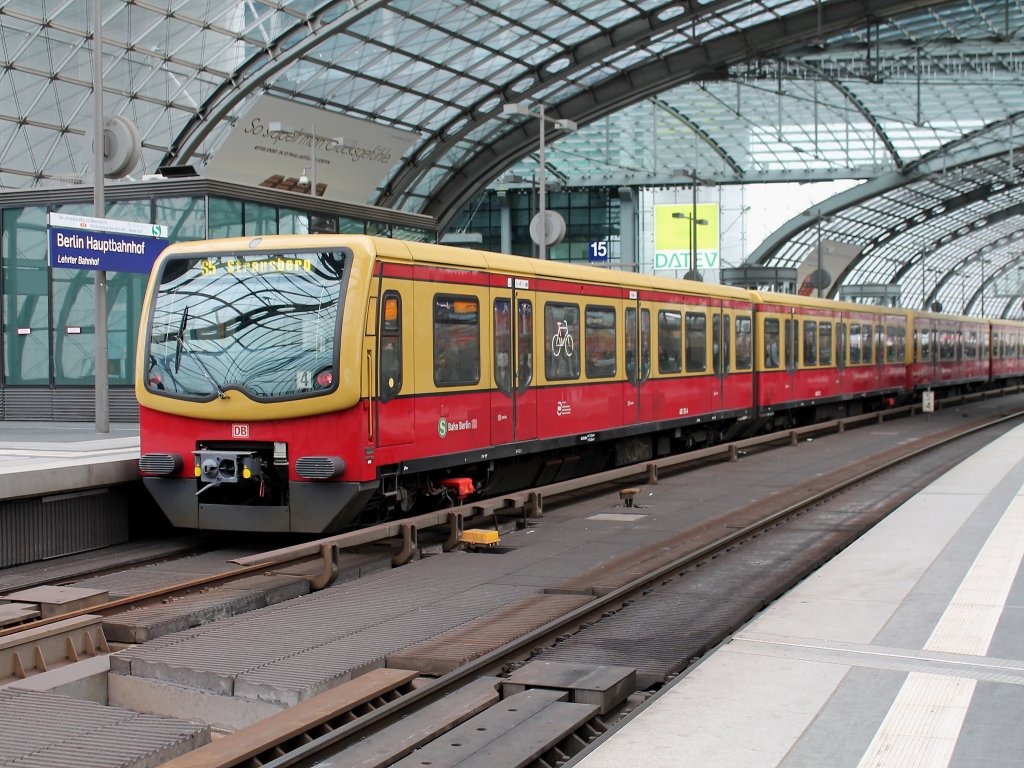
pixel 264 323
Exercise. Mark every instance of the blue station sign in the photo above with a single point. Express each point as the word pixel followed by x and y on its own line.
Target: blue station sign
pixel 84 242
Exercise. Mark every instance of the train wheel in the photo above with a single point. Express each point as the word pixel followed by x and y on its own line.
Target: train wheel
pixel 405 501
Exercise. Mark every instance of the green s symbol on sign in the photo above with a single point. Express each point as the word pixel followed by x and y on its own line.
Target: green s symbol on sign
pixel 442 427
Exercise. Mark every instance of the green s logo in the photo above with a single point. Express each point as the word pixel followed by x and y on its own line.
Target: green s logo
pixel 442 427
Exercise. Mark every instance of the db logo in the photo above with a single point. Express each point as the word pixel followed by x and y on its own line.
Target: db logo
pixel 239 430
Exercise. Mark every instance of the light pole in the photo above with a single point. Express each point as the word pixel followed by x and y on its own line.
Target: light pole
pixel 521 108
pixel 99 278
pixel 693 274
pixel 311 179
pixel 819 273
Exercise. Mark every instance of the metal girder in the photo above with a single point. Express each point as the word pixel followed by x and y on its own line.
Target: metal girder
pixel 962 152
pixel 254 74
pixel 993 218
pixel 864 112
pixel 703 61
pixel 713 145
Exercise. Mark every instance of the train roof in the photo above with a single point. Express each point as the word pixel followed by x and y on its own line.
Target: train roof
pixel 947 317
pixel 530 267
pixel 812 302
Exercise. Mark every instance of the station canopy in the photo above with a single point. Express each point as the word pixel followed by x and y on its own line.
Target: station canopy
pixel 919 102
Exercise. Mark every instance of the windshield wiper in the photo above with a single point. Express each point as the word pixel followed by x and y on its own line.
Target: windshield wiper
pixel 183 345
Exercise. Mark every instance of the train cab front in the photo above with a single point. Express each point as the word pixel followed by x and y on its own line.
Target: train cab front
pixel 245 385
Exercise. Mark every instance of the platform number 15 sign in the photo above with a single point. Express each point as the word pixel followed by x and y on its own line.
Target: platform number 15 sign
pixel 597 250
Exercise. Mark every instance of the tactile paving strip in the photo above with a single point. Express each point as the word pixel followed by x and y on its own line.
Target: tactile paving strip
pixel 44 730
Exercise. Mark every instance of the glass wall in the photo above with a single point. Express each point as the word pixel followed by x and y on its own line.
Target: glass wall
pixel 591 215
pixel 26 303
pixel 47 316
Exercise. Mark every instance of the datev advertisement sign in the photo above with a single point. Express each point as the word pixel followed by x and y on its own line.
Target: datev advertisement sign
pixel 276 140
pixel 673 229
pixel 83 242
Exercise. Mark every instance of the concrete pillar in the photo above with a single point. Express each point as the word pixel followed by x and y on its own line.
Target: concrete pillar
pixel 506 222
pixel 627 228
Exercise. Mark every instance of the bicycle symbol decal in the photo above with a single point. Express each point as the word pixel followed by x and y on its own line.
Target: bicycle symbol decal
pixel 562 340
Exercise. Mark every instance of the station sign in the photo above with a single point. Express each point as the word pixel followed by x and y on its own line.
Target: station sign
pixel 112 245
pixel 928 401
pixel 598 250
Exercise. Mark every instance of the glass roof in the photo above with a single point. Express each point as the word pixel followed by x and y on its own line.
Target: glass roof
pixel 920 100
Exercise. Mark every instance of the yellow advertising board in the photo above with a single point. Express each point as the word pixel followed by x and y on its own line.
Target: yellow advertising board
pixel 673 231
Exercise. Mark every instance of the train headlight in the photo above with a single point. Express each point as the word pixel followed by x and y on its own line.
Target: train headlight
pixel 324 379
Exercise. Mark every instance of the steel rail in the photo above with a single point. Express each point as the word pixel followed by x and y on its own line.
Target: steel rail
pixel 602 604
pixel 523 503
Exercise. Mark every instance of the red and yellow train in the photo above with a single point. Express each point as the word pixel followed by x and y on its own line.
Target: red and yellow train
pixel 312 383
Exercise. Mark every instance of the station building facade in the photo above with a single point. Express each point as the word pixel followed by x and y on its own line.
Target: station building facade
pixel 47 341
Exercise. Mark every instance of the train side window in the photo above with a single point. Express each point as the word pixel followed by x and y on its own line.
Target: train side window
pixel 716 343
pixel 825 343
pixel 854 343
pixel 456 340
pixel 645 344
pixel 745 343
pixel 670 341
pixel 947 347
pixel 923 340
pixel 599 340
pixel 772 348
pixel 696 342
pixel 792 329
pixel 971 346
pixel 867 343
pixel 890 344
pixel 880 343
pixel 390 355
pixel 727 349
pixel 524 345
pixel 561 330
pixel 996 351
pixel 810 342
pixel 503 345
pixel 841 345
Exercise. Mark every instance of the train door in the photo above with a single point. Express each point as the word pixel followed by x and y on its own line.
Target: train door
pixel 637 328
pixel 394 419
pixel 721 354
pixel 792 328
pixel 926 350
pixel 840 353
pixel 513 399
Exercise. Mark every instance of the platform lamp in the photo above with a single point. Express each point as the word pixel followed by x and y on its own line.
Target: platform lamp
pixel 564 124
pixel 694 273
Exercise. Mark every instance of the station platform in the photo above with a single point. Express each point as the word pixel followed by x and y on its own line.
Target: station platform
pixel 64 488
pixel 38 458
pixel 905 650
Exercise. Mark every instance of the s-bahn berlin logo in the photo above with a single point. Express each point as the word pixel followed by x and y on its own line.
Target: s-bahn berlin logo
pixel 444 426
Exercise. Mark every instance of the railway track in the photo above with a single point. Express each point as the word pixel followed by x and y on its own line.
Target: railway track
pixel 386 719
pixel 336 724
